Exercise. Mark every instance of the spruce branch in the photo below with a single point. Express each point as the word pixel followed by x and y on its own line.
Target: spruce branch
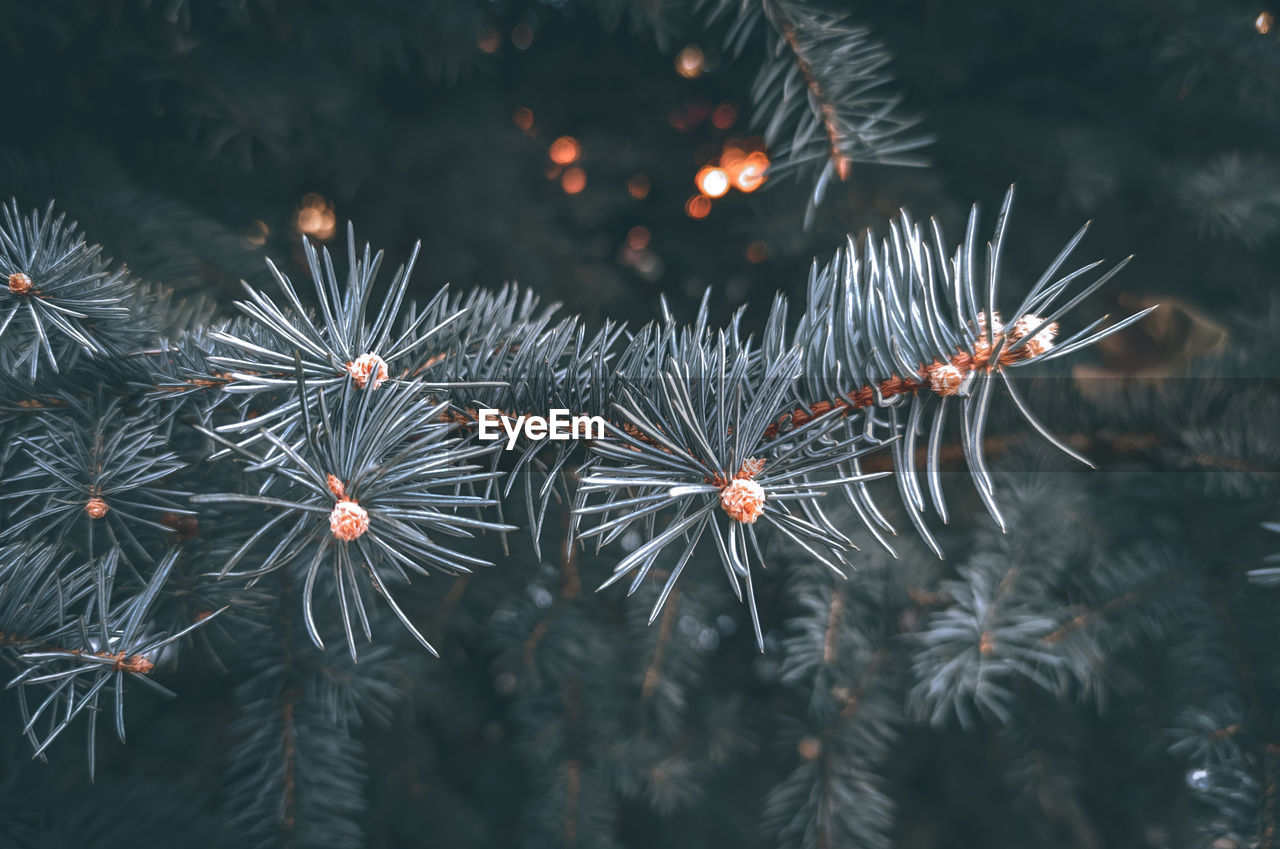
pixel 90 471
pixel 844 661
pixel 346 420
pixel 59 297
pixel 296 771
pixel 704 459
pixel 916 329
pixel 361 494
pixel 68 667
pixel 822 95
pixel 349 339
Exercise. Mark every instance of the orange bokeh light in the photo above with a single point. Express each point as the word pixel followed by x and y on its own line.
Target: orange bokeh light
pixel 732 157
pixel 523 118
pixel 573 181
pixel 751 175
pixel 712 181
pixel 734 169
pixel 724 116
pixel 638 186
pixel 565 150
pixel 1263 24
pixel 316 217
pixel 757 252
pixel 490 40
pixel 690 62
pixel 257 235
pixel 638 237
pixel 698 206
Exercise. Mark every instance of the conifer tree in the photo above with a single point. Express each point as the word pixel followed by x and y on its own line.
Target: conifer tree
pixel 907 523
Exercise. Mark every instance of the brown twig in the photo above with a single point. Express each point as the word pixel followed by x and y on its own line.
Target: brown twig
pixel 827 110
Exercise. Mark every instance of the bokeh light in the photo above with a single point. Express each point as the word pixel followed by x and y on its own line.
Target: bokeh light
pixel 740 165
pixel 522 36
pixel 490 41
pixel 1264 23
pixel 751 175
pixel 573 181
pixel 712 181
pixel 757 252
pixel 565 150
pixel 690 63
pixel 635 253
pixel 688 115
pixel 724 116
pixel 638 186
pixel 256 237
pixel 316 217
pixel 698 206
pixel 523 118
pixel 638 237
